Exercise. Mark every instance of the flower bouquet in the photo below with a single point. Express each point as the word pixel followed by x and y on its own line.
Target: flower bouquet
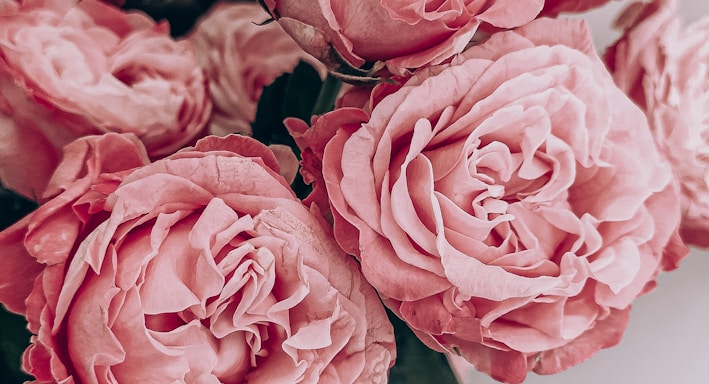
pixel 339 191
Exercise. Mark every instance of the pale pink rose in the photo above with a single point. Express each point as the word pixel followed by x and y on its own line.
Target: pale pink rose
pixel 663 68
pixel 68 71
pixel 202 267
pixel 403 34
pixel 509 206
pixel 241 56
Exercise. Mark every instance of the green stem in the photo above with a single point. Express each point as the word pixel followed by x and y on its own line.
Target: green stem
pixel 327 96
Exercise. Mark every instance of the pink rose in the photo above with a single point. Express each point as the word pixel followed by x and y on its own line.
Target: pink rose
pixel 509 206
pixel 202 267
pixel 8 7
pixel 68 71
pixel 408 34
pixel 240 57
pixel 664 70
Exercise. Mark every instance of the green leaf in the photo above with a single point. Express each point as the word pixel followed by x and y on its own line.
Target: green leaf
pixel 301 92
pixel 415 362
pixel 328 95
pixel 290 95
pixel 268 124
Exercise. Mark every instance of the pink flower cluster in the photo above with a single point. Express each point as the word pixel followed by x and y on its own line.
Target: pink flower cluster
pixel 487 178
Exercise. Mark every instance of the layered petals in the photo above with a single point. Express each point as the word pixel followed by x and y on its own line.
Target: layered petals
pixel 509 206
pixel 403 34
pixel 202 267
pixel 662 67
pixel 70 70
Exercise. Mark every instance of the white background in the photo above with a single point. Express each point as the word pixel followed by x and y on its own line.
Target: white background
pixel 667 341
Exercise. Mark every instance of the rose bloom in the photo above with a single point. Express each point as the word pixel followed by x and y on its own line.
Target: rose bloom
pixel 509 206
pixel 240 57
pixel 408 34
pixel 202 267
pixel 664 70
pixel 70 70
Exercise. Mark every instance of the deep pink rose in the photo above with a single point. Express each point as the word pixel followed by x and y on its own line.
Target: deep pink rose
pixel 68 71
pixel 555 7
pixel 509 206
pixel 202 267
pixel 240 57
pixel 404 34
pixel 663 68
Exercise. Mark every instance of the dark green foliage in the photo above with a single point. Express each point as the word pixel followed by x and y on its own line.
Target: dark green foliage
pixel 182 14
pixel 13 207
pixel 290 95
pixel 415 362
pixel 14 337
